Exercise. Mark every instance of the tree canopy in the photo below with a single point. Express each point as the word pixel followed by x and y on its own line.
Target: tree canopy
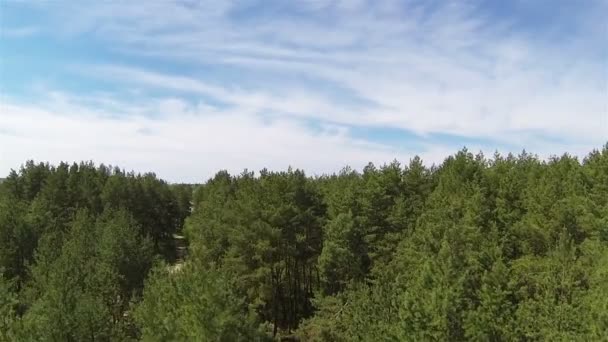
pixel 476 248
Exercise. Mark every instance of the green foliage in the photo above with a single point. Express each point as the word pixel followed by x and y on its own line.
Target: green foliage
pixel 340 261
pixel 267 233
pixel 8 305
pixel 506 249
pixel 194 304
pixel 83 292
pixel 17 239
pixel 65 306
pixel 499 249
pixel 75 257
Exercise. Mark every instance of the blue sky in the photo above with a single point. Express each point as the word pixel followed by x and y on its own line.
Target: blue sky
pixel 186 88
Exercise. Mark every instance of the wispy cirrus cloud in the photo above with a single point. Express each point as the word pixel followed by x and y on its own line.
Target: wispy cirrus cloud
pixel 502 74
pixel 72 132
pixel 18 32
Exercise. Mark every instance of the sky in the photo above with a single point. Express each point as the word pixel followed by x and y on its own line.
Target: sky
pixel 187 88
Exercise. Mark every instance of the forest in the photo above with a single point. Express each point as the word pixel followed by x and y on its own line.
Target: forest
pixel 477 248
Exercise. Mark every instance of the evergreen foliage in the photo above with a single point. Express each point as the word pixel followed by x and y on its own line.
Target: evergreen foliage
pixel 502 248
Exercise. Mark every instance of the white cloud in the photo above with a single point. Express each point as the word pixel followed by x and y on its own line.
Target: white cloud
pixel 426 67
pixel 465 103
pixel 441 67
pixel 17 32
pixel 184 144
pixel 289 102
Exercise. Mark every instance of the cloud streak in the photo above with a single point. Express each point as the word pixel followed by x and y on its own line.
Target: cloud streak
pixel 18 32
pixel 272 77
pixel 207 141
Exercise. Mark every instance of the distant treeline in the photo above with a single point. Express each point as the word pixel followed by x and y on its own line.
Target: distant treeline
pixel 502 248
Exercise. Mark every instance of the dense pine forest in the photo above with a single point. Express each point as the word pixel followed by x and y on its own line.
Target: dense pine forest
pixel 485 249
